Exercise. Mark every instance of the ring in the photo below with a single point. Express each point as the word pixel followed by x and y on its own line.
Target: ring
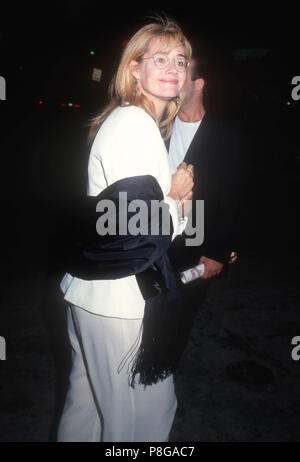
pixel 190 167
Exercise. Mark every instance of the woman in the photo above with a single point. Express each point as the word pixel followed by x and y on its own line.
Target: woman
pixel 105 316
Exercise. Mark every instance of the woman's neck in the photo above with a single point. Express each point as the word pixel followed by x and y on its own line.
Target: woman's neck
pixel 158 104
pixel 160 107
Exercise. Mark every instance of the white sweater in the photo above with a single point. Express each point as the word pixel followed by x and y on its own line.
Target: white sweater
pixel 127 144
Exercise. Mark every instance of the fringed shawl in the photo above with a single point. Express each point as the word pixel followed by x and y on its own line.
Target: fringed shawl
pixel 92 256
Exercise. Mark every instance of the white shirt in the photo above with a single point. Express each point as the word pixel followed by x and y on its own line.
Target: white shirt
pixel 182 135
pixel 127 144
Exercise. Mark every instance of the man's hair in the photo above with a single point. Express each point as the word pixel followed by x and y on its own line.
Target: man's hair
pixel 205 67
pixel 201 60
pixel 199 70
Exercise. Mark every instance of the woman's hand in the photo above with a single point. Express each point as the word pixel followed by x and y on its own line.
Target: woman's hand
pixel 182 183
pixel 185 205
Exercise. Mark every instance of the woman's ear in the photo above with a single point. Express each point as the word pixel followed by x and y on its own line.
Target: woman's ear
pixel 134 69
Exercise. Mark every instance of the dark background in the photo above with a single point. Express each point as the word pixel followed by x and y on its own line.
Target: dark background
pixel 45 57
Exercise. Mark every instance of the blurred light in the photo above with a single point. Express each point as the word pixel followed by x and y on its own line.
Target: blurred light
pixel 70 105
pixel 288 103
pixel 92 52
pixel 96 75
pixel 20 68
pixel 244 54
pixel 40 101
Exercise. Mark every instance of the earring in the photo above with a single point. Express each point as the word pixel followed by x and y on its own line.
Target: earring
pixel 135 83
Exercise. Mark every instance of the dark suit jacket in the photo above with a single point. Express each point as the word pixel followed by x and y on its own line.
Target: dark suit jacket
pixel 215 154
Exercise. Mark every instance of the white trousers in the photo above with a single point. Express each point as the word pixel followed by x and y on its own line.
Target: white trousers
pixel 100 404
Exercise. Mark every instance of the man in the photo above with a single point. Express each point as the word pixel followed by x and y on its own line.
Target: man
pixel 200 139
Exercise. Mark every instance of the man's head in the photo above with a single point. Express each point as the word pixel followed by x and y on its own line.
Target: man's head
pixel 194 84
pixel 198 77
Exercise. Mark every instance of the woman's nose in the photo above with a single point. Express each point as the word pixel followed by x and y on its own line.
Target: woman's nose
pixel 171 66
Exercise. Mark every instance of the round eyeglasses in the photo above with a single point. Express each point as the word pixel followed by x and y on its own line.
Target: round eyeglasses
pixel 162 61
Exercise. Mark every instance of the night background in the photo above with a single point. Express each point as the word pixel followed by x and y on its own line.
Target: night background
pixel 238 380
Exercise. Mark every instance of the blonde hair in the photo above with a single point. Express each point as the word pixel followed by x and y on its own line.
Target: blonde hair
pixel 123 89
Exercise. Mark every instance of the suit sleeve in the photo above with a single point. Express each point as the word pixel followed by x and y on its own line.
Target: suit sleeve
pixel 223 236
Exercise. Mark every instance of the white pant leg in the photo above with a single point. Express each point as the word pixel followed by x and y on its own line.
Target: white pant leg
pixel 79 399
pixel 155 409
pixel 129 415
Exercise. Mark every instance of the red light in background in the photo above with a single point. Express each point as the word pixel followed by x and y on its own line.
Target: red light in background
pixel 40 101
pixel 20 68
pixel 69 105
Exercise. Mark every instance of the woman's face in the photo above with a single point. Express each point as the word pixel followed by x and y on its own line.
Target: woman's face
pixel 160 85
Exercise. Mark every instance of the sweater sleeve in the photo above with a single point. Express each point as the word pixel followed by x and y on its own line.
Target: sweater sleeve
pixel 126 145
pixel 129 144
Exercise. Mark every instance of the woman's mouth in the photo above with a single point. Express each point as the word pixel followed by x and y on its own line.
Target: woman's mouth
pixel 172 81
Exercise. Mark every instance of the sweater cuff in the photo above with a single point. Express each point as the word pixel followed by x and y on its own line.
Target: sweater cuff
pixel 179 223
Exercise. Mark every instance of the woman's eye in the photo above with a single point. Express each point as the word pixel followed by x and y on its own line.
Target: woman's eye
pixel 180 63
pixel 160 60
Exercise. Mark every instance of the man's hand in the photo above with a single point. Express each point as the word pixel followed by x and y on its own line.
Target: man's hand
pixel 211 267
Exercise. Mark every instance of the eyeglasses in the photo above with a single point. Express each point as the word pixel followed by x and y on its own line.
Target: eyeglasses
pixel 162 61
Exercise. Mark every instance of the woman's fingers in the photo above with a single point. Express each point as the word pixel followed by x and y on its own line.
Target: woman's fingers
pixel 182 183
pixel 190 168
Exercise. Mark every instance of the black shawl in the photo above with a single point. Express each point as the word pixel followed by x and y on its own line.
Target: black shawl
pixel 92 256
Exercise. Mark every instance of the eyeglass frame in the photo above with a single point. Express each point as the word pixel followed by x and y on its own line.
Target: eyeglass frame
pixel 168 61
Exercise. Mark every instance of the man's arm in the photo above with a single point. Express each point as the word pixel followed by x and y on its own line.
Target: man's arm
pixel 224 234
